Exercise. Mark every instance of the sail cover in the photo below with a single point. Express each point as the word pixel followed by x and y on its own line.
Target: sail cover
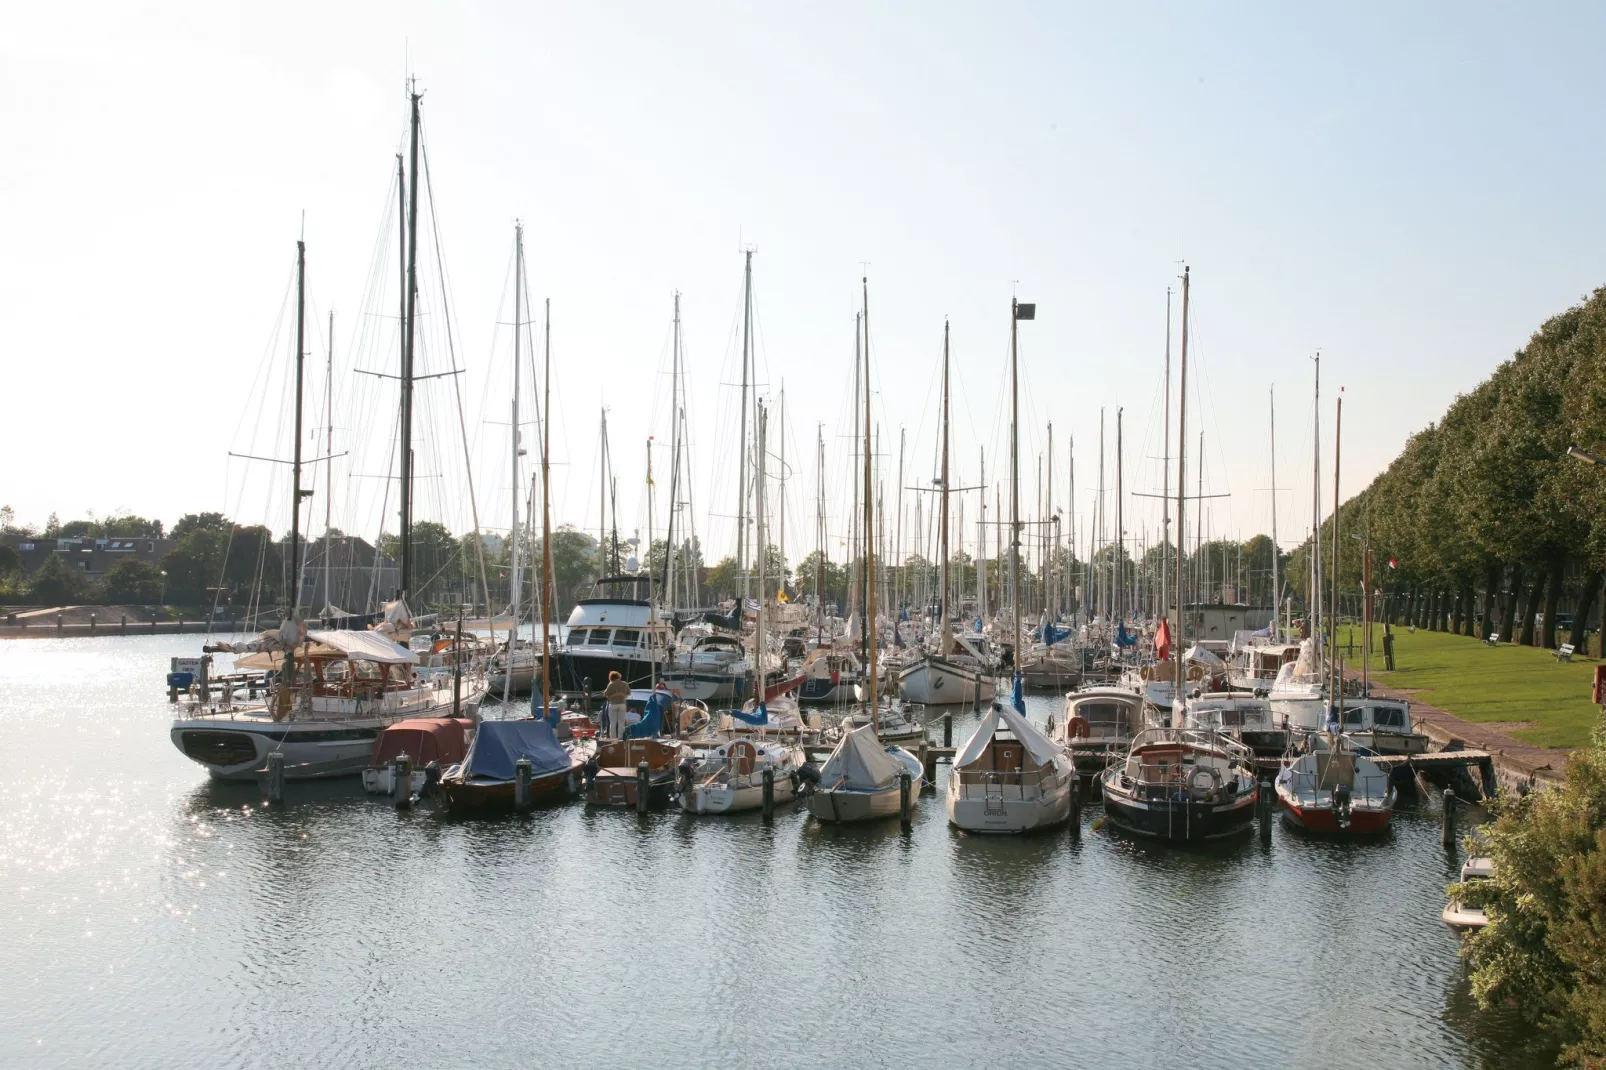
pixel 860 763
pixel 498 745
pixel 652 721
pixel 1042 749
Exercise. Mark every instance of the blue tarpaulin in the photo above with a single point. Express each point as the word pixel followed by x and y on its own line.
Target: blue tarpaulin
pixel 759 717
pixel 1018 699
pixel 978 624
pixel 1123 638
pixel 652 721
pixel 498 745
pixel 1052 635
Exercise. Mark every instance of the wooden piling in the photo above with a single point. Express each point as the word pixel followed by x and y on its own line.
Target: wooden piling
pixel 1449 818
pixel 905 800
pixel 643 788
pixel 769 793
pixel 276 776
pixel 401 781
pixel 1076 805
pixel 947 729
pixel 1265 810
pixel 522 771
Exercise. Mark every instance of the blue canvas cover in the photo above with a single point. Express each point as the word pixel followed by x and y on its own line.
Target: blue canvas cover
pixel 1123 638
pixel 1018 698
pixel 498 745
pixel 1052 634
pixel 761 716
pixel 652 721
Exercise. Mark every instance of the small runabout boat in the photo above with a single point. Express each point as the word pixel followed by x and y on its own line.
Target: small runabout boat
pixel 1098 727
pixel 615 780
pixel 1335 789
pixel 730 777
pixel 1182 784
pixel 1009 777
pixel 1463 918
pixel 421 739
pixel 894 723
pixel 861 779
pixel 485 781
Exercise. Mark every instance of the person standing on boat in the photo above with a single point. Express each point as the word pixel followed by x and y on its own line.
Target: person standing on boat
pixel 615 694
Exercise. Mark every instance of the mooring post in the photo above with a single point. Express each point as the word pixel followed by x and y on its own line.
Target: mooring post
pixel 905 800
pixel 642 787
pixel 928 763
pixel 1265 809
pixel 1449 817
pixel 769 793
pixel 276 776
pixel 401 781
pixel 206 678
pixel 948 729
pixel 123 625
pixel 1076 804
pixel 522 770
pixel 58 623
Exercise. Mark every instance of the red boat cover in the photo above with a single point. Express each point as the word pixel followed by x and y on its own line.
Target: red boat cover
pixel 424 739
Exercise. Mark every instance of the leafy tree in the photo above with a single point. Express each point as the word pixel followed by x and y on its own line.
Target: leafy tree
pixel 128 526
pixel 723 579
pixel 56 583
pixel 132 581
pixel 574 565
pixel 1543 952
pixel 833 576
pixel 10 561
pixel 191 522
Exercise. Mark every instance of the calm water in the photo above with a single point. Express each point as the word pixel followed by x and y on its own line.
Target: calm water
pixel 152 918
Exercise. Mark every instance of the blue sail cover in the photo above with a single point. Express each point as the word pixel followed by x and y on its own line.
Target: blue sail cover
pixel 1018 699
pixel 761 716
pixel 1123 637
pixel 652 721
pixel 1052 635
pixel 498 745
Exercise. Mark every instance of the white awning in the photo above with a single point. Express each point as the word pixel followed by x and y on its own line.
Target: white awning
pixel 1042 749
pixel 360 646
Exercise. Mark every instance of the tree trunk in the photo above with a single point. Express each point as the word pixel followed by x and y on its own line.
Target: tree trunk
pixel 1508 611
pixel 1446 610
pixel 1530 611
pixel 1419 608
pixel 1491 588
pixel 1435 611
pixel 1460 617
pixel 1586 606
pixel 1552 599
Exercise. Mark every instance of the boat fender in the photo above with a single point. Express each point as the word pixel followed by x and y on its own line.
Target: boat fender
pixel 1077 728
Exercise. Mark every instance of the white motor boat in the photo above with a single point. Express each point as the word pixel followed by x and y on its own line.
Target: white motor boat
pixel 894 724
pixel 1009 777
pixel 730 777
pixel 1099 725
pixel 862 779
pixel 1237 715
pixel 1383 725
pixel 713 669
pixel 1457 915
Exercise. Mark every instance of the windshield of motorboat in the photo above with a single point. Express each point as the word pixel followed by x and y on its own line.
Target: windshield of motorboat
pixel 1103 715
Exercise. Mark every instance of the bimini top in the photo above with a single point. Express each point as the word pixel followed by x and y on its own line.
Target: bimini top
pixel 1003 715
pixel 424 739
pixel 498 746
pixel 860 763
pixel 265 651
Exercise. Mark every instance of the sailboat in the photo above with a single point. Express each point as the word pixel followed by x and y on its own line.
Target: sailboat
pixel 1009 776
pixel 952 671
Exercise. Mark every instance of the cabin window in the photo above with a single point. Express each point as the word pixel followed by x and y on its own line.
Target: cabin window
pixel 1354 718
pixel 626 637
pixel 599 636
pixel 1100 714
pixel 1389 717
pixel 577 637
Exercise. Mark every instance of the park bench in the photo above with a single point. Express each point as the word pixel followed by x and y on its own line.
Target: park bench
pixel 1565 653
pixel 1494 639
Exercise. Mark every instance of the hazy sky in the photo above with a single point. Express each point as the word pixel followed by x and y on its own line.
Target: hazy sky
pixel 1409 189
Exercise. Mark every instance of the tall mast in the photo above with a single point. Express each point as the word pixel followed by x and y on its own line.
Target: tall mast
pixel 1070 516
pixel 981 544
pixel 1098 531
pixel 1165 463
pixel 819 525
pixel 741 476
pixel 1336 689
pixel 407 370
pixel 1314 607
pixel 783 481
pixel 942 515
pixel 1276 579
pixel 296 493
pixel 674 464
pixel 1051 537
pixel 546 523
pixel 515 580
pixel 603 553
pixel 761 418
pixel 861 487
pixel 1182 471
pixel 1017 312
pixel 897 547
pixel 1120 531
pixel 329 459
pixel 652 610
pixel 869 513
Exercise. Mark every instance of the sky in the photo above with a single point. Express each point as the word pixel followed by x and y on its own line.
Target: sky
pixel 1407 190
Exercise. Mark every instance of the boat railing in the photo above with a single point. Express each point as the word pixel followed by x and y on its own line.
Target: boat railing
pixel 1366 789
pixel 979 783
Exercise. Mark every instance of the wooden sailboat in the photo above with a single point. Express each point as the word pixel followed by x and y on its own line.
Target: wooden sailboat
pixel 1009 776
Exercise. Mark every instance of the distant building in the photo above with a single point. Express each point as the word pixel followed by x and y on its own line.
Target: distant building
pixel 93 556
pixel 1220 621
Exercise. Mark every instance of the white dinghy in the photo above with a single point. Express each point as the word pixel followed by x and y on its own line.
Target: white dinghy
pixel 860 779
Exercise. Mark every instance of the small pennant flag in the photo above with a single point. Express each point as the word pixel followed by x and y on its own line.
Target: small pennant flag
pixel 1394 562
pixel 1025 311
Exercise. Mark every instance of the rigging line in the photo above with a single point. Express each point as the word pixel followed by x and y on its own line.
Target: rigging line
pixel 451 348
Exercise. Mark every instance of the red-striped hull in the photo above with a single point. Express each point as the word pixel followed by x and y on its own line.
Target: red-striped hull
pixel 1324 819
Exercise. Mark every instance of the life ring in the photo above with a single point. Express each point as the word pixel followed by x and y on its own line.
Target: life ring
pixel 1212 782
pixel 741 756
pixel 1078 728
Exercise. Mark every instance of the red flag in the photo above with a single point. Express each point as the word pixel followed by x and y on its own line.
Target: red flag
pixel 1162 640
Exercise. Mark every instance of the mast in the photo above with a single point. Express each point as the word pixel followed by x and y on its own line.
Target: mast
pixel 284 695
pixel 1276 580
pixel 1165 464
pixel 760 420
pixel 674 464
pixel 546 524
pixel 897 549
pixel 981 544
pixel 819 526
pixel 1070 516
pixel 1336 689
pixel 407 370
pixel 602 497
pixel 1103 581
pixel 329 459
pixel 869 514
pixel 1120 531
pixel 1051 535
pixel 783 481
pixel 741 477
pixel 861 487
pixel 652 645
pixel 1314 607
pixel 942 515
pixel 515 580
pixel 1017 312
pixel 1182 471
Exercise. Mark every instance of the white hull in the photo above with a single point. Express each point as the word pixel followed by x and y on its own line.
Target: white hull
pixel 1004 809
pixel 844 806
pixel 938 683
pixel 381 780
pixel 728 798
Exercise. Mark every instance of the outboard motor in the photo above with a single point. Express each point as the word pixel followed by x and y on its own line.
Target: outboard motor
pixel 685 769
pixel 1341 805
pixel 432 779
pixel 806 779
pixel 591 771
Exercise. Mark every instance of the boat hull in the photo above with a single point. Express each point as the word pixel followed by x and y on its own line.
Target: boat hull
pixel 727 798
pixel 468 797
pixel 238 750
pixel 1323 819
pixel 841 807
pixel 1000 813
pixel 934 682
pixel 1176 819
pixel 619 788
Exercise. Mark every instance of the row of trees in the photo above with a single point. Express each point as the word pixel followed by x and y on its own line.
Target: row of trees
pixel 1494 527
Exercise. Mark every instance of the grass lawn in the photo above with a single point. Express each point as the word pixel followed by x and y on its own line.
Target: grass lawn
pixel 1484 683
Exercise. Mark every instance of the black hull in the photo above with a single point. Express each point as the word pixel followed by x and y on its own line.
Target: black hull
pixel 1179 821
pixel 573 671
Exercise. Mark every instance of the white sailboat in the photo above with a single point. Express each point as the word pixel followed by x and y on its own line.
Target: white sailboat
pixel 860 780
